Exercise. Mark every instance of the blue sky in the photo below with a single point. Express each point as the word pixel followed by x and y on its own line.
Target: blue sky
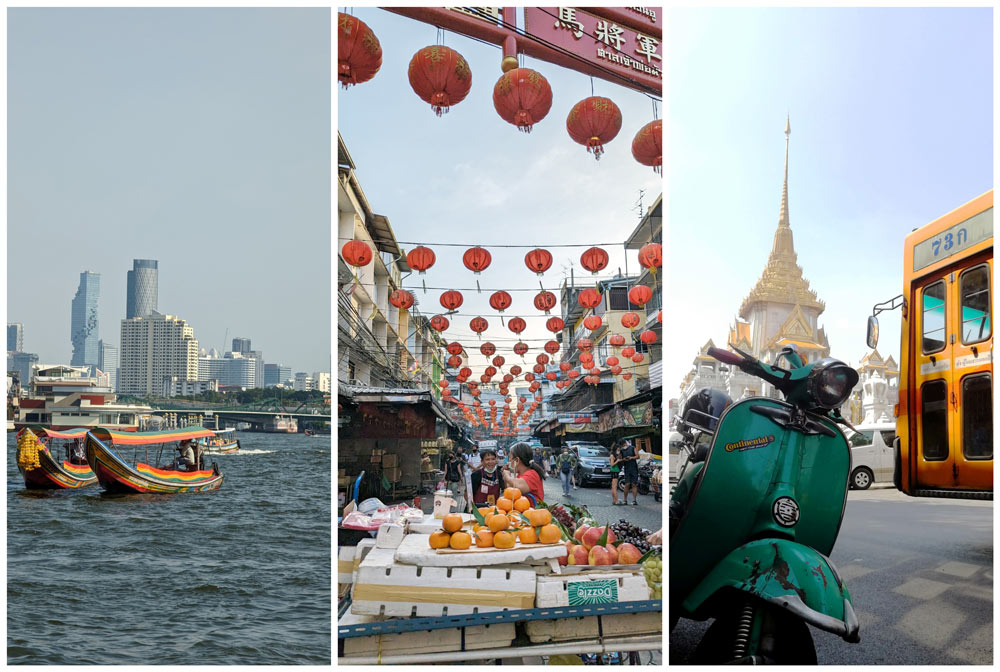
pixel 470 177
pixel 892 126
pixel 197 137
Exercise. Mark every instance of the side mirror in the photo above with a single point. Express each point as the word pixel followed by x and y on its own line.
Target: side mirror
pixel 872 331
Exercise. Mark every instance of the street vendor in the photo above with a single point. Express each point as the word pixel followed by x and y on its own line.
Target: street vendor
pixel 525 474
pixel 487 481
pixel 455 474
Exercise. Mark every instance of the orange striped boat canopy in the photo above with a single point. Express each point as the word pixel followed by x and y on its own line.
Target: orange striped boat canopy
pixel 77 433
pixel 149 438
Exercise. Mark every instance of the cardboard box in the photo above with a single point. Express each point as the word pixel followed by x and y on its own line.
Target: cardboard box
pixel 394 474
pixel 390 460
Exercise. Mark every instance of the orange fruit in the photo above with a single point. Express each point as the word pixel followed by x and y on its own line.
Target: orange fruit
pixel 477 527
pixel 539 517
pixel 505 504
pixel 440 539
pixel 522 504
pixel 460 540
pixel 527 535
pixel 484 539
pixel 452 522
pixel 485 511
pixel 515 520
pixel 549 534
pixel 513 494
pixel 498 523
pixel 503 540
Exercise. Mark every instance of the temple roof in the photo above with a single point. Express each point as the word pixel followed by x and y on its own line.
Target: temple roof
pixel 782 280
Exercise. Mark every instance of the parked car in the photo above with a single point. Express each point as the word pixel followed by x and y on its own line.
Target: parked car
pixel 872 459
pixel 593 463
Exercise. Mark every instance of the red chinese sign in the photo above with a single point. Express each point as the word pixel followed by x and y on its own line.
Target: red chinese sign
pixel 601 41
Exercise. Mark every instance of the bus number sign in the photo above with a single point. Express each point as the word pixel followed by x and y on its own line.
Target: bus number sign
pixel 953 240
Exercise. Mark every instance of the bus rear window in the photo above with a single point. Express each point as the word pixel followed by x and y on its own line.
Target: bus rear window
pixel 974 285
pixel 934 419
pixel 933 324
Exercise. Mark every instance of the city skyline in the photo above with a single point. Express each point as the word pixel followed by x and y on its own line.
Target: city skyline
pixel 197 137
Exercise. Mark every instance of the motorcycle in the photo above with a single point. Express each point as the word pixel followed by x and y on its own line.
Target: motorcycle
pixel 757 510
pixel 645 477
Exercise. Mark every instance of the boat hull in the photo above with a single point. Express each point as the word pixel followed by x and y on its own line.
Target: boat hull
pixel 223 448
pixel 116 475
pixel 42 471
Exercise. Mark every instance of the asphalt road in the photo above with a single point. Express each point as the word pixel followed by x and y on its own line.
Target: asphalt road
pixel 920 572
pixel 597 498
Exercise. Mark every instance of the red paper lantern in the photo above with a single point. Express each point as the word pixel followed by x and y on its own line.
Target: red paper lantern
pixel 640 295
pixel 551 375
pixel 565 366
pixel 520 348
pixel 560 384
pixel 573 373
pixel 357 253
pixel 522 97
pixel 401 298
pixel 593 122
pixel 586 358
pixel 493 402
pixel 498 361
pixel 440 76
pixel 637 358
pixel 585 344
pixel 442 384
pixel 648 337
pixel 359 55
pixel 542 358
pixel 594 259
pixel 551 347
pixel 420 258
pixel 628 352
pixel 647 145
pixel 616 340
pixel 538 368
pixel 500 300
pixel 487 349
pixel 534 386
pixel 593 322
pixel 616 369
pixel 651 256
pixel 554 324
pixel 439 323
pixel 630 320
pixel 589 298
pixel 545 301
pixel 517 325
pixel 454 361
pixel 508 378
pixel 491 371
pixel 476 259
pixel 538 260
pixel 451 300
pixel 479 324
pixel 484 378
pixel 515 370
pixel 627 376
pixel 465 372
pixel 528 377
pixel 455 348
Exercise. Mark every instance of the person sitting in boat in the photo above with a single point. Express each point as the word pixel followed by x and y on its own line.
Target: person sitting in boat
pixel 186 461
pixel 78 455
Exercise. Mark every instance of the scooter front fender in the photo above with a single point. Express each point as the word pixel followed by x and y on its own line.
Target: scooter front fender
pixel 787 575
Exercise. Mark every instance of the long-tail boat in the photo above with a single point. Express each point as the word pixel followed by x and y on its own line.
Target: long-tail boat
pixel 224 441
pixel 41 464
pixel 107 453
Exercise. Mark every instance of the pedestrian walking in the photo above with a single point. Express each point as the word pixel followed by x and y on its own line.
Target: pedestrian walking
pixel 614 460
pixel 630 470
pixel 565 465
pixel 455 474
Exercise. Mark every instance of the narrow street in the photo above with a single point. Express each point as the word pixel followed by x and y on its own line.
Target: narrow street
pixel 920 573
pixel 597 498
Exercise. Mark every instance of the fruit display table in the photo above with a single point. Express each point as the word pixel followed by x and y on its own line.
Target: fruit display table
pixel 416 550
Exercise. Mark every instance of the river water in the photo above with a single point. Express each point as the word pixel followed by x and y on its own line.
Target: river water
pixel 237 576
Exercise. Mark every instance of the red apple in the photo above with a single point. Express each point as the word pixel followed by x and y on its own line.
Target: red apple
pixel 628 554
pixel 569 551
pixel 578 535
pixel 599 556
pixel 614 554
pixel 580 556
pixel 593 535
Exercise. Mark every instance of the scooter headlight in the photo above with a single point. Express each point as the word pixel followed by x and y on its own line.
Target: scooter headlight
pixel 831 382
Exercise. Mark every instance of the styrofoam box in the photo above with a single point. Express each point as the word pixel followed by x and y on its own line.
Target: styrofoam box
pixel 553 590
pixel 345 564
pixel 384 587
pixel 497 635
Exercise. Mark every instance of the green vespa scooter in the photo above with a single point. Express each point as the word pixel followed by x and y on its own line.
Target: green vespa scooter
pixel 756 513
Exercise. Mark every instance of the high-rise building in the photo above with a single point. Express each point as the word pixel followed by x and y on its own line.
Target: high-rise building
pixel 322 381
pixel 241 345
pixel 153 348
pixel 84 332
pixel 303 382
pixel 142 288
pixel 107 362
pixel 15 336
pixel 211 368
pixel 22 363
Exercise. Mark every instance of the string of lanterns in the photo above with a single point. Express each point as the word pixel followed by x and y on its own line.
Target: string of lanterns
pixel 522 97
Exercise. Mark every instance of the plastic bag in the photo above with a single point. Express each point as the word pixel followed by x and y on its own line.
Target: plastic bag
pixel 370 505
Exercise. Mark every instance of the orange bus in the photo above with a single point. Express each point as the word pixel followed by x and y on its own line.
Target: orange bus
pixel 944 418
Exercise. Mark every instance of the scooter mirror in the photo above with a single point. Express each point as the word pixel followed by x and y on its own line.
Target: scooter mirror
pixel 872 331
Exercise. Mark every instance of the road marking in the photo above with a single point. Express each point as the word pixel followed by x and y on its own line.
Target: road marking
pixel 931 625
pixel 977 648
pixel 922 589
pixel 962 569
pixel 851 572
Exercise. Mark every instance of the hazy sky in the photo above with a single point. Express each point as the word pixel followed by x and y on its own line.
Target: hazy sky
pixel 892 127
pixel 197 137
pixel 470 177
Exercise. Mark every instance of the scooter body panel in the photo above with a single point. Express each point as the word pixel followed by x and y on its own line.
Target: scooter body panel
pixel 786 574
pixel 760 480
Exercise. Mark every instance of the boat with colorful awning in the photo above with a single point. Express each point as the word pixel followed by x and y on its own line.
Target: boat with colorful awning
pixel 50 459
pixel 223 442
pixel 107 454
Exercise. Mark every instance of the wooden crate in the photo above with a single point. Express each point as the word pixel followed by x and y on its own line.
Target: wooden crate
pixel 497 635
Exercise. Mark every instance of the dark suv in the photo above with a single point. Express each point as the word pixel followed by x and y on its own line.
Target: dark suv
pixel 593 463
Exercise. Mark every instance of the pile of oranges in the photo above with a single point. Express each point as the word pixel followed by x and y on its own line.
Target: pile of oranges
pixel 512 519
pixel 451 535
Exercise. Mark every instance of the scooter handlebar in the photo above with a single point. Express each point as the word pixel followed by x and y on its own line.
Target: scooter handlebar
pixel 725 356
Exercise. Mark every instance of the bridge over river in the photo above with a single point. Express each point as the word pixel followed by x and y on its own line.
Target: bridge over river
pixel 258 418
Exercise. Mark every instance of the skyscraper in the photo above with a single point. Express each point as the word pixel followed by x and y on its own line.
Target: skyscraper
pixel 142 288
pixel 108 362
pixel 84 332
pixel 153 348
pixel 241 345
pixel 15 336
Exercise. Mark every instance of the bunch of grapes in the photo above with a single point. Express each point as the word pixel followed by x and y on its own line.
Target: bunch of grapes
pixel 563 516
pixel 652 568
pixel 633 534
